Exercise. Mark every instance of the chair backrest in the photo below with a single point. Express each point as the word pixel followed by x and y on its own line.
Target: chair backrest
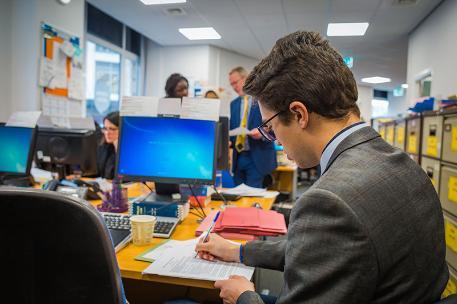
pixel 55 249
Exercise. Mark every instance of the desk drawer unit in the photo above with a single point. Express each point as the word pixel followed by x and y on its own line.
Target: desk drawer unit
pixel 450 231
pixel 413 135
pixel 432 168
pixel 400 132
pixel 432 134
pixel 448 189
pixel 450 139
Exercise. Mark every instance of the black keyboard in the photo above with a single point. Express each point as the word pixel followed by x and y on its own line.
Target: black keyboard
pixel 163 227
pixel 228 197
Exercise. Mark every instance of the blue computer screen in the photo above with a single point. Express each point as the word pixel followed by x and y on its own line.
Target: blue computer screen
pixel 15 146
pixel 167 148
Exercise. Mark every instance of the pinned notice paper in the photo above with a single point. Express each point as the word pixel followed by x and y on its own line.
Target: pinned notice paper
pixel 46 72
pixel 200 108
pixel 239 131
pixel 170 107
pixel 139 106
pixel 26 119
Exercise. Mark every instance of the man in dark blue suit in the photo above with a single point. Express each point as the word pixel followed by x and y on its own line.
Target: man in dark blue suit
pixel 253 157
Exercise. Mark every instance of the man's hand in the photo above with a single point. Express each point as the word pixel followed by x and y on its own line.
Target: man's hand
pixel 218 247
pixel 254 133
pixel 232 288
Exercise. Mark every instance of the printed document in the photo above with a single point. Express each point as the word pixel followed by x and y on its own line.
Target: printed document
pixel 177 259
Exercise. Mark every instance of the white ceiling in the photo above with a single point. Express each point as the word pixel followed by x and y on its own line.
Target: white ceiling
pixel 251 27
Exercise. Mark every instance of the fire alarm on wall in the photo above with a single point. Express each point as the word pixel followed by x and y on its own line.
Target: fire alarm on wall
pixel 64 2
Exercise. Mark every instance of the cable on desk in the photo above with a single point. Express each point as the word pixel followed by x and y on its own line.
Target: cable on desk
pixel 219 194
pixel 198 201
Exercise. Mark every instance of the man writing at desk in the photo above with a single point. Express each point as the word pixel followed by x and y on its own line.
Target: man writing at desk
pixel 370 230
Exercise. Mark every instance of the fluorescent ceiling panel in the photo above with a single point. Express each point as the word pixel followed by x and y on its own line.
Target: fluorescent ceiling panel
pixel 376 79
pixel 347 29
pixel 158 2
pixel 200 33
pixel 404 86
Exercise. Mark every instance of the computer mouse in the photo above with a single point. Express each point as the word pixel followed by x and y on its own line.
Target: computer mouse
pixel 257 205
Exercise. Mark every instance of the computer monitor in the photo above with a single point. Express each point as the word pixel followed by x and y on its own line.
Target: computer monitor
pixel 167 150
pixel 16 153
pixel 222 147
pixel 67 150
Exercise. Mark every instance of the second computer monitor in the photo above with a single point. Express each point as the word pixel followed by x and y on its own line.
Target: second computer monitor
pixel 16 152
pixel 169 150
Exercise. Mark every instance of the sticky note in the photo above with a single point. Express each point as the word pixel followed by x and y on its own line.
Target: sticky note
pixel 432 146
pixel 390 135
pixel 452 189
pixel 454 139
pixel 401 135
pixel 412 147
pixel 450 233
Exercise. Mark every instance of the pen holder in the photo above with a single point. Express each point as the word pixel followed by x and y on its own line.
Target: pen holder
pixel 117 201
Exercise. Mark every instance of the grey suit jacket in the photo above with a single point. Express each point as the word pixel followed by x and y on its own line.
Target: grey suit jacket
pixel 370 230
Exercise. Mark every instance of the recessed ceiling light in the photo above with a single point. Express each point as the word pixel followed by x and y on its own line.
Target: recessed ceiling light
pixel 158 2
pixel 347 29
pixel 404 86
pixel 200 33
pixel 376 79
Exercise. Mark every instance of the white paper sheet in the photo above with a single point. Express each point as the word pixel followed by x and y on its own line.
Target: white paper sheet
pixel 139 106
pixel 76 84
pixel 224 108
pixel 60 68
pixel 27 119
pixel 169 107
pixel 200 108
pixel 177 259
pixel 239 131
pixel 244 190
pixel 46 72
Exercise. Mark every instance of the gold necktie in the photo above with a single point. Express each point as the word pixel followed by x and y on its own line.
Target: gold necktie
pixel 240 139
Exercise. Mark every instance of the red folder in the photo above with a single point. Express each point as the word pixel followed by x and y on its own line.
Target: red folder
pixel 238 222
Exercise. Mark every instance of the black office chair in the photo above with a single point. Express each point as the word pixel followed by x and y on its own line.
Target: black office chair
pixel 55 249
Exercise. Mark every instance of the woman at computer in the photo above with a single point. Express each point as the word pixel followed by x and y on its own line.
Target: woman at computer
pixel 176 86
pixel 106 151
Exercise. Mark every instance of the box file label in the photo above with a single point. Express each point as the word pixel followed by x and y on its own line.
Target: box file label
pixel 390 135
pixel 450 233
pixel 401 135
pixel 412 144
pixel 452 186
pixel 454 139
pixel 432 146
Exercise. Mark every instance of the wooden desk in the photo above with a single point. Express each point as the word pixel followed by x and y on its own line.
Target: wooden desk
pixel 132 269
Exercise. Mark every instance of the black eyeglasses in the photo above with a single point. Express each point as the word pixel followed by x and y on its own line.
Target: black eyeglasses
pixel 266 130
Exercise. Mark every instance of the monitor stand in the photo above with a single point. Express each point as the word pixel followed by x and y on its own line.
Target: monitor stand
pixel 17 181
pixel 163 193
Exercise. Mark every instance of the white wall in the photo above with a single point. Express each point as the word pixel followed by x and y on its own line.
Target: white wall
pixel 207 64
pixel 190 61
pixel 397 105
pixel 26 44
pixel 433 46
pixel 364 101
pixel 223 62
pixel 5 58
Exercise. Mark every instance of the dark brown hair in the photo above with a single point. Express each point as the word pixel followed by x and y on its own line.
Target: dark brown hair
pixel 302 66
pixel 172 82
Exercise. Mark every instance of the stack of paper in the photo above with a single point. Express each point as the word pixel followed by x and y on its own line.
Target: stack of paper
pixel 177 259
pixel 245 190
pixel 245 223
